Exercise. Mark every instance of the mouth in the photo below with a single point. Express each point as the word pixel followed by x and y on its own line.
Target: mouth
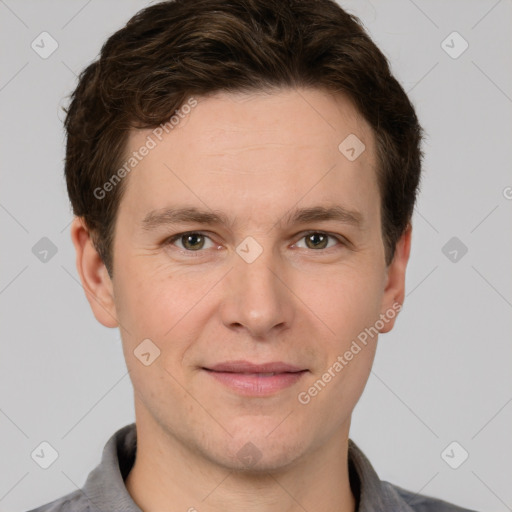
pixel 251 379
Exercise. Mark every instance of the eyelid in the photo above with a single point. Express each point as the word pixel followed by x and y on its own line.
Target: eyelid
pixel 170 241
pixel 339 238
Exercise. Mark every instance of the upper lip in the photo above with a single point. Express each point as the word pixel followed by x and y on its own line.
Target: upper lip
pixel 248 367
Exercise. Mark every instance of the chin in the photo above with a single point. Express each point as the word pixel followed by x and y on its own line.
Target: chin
pixel 261 450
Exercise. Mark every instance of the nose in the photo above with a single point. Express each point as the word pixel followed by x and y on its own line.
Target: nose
pixel 256 296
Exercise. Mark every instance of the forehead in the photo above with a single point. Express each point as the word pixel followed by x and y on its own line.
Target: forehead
pixel 258 149
pixel 312 117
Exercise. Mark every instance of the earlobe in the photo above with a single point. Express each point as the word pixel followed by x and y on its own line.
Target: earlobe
pixel 93 274
pixel 394 291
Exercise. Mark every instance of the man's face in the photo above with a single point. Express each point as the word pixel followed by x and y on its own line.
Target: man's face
pixel 258 289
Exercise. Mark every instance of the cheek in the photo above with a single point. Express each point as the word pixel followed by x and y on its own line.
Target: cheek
pixel 156 304
pixel 347 301
pixel 152 310
pixel 348 307
pixel 142 306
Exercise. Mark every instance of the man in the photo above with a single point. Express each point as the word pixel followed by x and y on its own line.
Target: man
pixel 243 176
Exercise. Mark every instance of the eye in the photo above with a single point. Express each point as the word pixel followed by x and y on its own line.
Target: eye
pixel 195 241
pixel 317 240
pixel 192 241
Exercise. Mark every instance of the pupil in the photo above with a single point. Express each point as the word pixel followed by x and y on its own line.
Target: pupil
pixel 189 237
pixel 314 235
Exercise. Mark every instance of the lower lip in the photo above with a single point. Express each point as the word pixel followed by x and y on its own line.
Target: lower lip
pixel 252 384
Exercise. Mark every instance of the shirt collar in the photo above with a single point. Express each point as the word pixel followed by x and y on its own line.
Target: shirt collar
pixel 106 490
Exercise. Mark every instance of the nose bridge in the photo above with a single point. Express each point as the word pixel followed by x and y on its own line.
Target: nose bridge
pixel 258 271
pixel 257 298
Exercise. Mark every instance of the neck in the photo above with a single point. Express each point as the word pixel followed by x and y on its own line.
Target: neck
pixel 168 476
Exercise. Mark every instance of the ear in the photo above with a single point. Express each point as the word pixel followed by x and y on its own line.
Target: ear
pixel 394 291
pixel 93 274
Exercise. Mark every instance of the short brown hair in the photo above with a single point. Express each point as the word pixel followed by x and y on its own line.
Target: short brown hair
pixel 174 49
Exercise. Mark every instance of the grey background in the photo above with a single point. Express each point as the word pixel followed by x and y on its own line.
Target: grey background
pixel 442 375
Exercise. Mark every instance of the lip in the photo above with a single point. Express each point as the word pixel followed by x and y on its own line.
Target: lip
pixel 252 379
pixel 248 367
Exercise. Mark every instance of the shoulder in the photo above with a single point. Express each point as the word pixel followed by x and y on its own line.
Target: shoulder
pixel 422 503
pixel 73 502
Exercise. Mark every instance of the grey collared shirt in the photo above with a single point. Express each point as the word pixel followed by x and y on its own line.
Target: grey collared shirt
pixel 104 489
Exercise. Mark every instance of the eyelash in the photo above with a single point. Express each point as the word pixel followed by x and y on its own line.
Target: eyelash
pixel 172 239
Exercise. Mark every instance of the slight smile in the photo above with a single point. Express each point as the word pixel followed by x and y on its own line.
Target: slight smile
pixel 252 379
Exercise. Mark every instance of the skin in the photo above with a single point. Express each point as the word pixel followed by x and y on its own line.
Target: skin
pixel 254 157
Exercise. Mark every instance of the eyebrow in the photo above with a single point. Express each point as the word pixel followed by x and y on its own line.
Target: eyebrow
pixel 169 216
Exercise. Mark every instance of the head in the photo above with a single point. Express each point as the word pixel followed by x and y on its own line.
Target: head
pixel 255 113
